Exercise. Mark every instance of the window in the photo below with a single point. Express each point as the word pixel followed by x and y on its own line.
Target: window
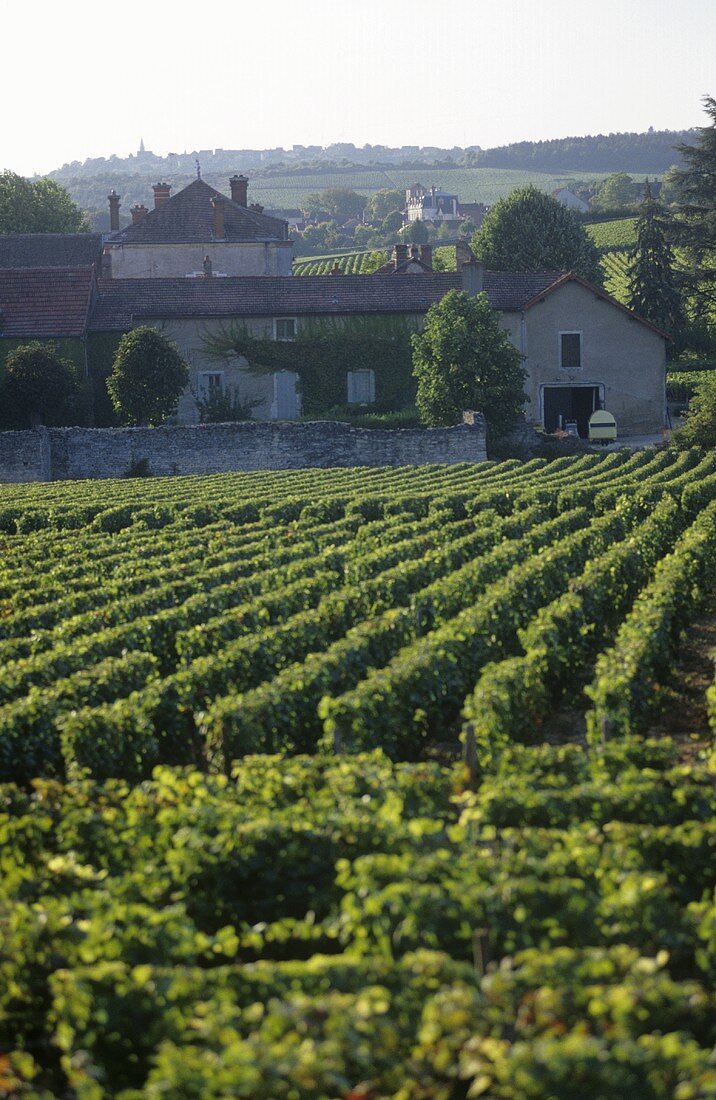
pixel 211 383
pixel 284 328
pixel 570 350
pixel 361 387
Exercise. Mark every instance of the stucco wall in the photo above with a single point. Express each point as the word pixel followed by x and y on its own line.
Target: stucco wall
pixel 624 356
pixel 76 453
pixel 149 261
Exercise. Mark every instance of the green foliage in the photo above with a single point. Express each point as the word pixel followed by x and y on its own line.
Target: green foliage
pixel 322 354
pixel 696 212
pixel 616 192
pixel 148 377
pixel 38 387
pixel 339 202
pixel 618 235
pixel 222 405
pixel 530 231
pixel 415 233
pixel 699 429
pixel 652 285
pixel 463 359
pixel 384 202
pixel 41 207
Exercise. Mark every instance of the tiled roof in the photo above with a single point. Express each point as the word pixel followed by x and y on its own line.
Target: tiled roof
pixel 50 302
pixel 188 218
pixel 50 249
pixel 123 302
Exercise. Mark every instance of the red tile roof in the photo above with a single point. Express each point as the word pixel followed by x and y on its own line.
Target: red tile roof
pixel 48 302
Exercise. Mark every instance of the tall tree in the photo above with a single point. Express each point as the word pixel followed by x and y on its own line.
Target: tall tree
pixel 696 209
pixel 40 207
pixel 531 231
pixel 652 287
pixel 463 359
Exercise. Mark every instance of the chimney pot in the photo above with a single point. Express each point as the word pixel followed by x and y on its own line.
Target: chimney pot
pixel 114 205
pixel 239 189
pixel 162 191
pixel 138 211
pixel 256 207
pixel 217 205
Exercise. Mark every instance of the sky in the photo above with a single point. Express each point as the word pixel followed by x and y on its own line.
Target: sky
pixel 85 79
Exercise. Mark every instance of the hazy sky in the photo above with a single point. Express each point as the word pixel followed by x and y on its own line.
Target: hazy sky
pixel 82 78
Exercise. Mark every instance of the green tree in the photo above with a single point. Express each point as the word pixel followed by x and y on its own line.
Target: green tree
pixel 38 387
pixel 696 211
pixel 40 207
pixel 392 222
pixel 652 288
pixel 340 203
pixel 415 233
pixel 531 231
pixel 615 192
pixel 384 202
pixel 148 377
pixel 463 359
pixel 699 429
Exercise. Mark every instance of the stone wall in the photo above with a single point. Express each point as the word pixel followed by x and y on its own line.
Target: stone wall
pixel 24 456
pixel 61 454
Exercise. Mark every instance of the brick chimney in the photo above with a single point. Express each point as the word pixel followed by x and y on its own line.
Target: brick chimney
pixel 426 255
pixel 217 206
pixel 114 205
pixel 206 266
pixel 138 211
pixel 256 207
pixel 473 277
pixel 239 189
pixel 400 254
pixel 162 191
pixel 336 269
pixel 106 264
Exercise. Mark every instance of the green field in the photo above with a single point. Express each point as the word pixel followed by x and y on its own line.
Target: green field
pixel 470 184
pixel 241 854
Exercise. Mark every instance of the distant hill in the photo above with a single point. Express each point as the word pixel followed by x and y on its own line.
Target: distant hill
pixel 282 178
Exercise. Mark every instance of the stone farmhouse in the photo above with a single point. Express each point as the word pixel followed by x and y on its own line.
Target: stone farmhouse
pixel 198 264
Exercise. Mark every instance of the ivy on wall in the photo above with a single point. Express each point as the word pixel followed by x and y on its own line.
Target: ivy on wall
pixel 323 353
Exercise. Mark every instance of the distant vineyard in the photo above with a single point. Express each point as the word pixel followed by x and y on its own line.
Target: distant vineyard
pixel 616 274
pixel 364 263
pixel 614 236
pixel 351 263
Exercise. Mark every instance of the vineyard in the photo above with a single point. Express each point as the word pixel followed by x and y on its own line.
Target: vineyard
pixel 614 236
pixel 358 784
